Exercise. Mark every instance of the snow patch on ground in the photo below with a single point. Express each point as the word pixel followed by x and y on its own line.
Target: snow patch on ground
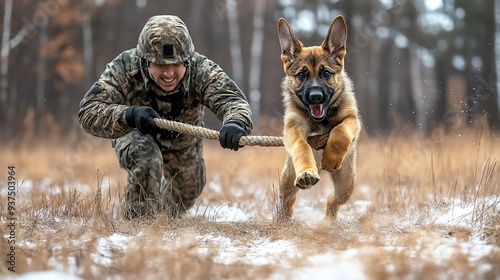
pixel 461 213
pixel 46 275
pixel 220 213
pixel 255 252
pixel 342 265
pixel 106 246
pixel 334 264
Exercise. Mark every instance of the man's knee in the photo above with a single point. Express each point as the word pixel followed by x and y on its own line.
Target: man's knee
pixel 138 151
pixel 140 156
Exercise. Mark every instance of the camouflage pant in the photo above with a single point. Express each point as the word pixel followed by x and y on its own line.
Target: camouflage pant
pixel 159 178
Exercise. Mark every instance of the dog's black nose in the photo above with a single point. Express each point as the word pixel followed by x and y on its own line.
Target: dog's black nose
pixel 316 96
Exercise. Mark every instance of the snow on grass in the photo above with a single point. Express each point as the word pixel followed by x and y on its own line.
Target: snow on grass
pixel 256 252
pixel 107 245
pixel 53 188
pixel 342 265
pixel 46 275
pixel 461 213
pixel 220 213
pixel 458 214
pixel 68 265
pixel 327 264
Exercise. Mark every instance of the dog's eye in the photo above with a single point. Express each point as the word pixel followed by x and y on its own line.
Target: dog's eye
pixel 301 76
pixel 327 74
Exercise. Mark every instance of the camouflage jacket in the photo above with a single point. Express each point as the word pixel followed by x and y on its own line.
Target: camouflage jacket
pixel 126 82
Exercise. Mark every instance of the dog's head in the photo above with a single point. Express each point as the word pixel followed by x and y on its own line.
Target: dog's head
pixel 314 73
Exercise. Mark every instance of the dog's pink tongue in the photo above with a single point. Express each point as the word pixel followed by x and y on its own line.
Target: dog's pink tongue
pixel 317 110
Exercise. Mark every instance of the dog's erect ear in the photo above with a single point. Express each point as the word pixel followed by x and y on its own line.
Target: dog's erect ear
pixel 290 46
pixel 335 41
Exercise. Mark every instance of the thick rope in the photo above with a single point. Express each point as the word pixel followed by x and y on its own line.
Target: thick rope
pixel 316 142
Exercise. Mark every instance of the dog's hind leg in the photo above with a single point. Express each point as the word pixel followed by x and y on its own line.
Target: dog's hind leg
pixel 344 181
pixel 288 191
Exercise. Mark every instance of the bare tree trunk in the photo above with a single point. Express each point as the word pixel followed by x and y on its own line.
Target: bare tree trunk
pixel 4 57
pixel 358 58
pixel 394 91
pixel 497 60
pixel 7 111
pixel 418 94
pixel 234 41
pixel 373 80
pixel 88 53
pixel 41 69
pixel 7 45
pixel 406 103
pixel 384 83
pixel 255 62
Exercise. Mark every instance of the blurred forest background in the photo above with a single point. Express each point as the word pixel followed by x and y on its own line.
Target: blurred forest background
pixel 416 65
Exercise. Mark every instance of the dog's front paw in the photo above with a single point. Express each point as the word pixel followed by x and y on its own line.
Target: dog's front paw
pixel 332 161
pixel 306 179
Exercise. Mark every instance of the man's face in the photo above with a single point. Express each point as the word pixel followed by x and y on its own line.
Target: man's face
pixel 167 76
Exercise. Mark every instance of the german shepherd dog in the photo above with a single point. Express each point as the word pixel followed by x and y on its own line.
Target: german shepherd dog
pixel 318 98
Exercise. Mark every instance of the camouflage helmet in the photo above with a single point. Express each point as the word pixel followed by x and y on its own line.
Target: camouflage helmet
pixel 165 39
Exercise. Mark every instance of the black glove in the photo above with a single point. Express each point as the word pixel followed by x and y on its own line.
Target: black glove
pixel 230 135
pixel 142 119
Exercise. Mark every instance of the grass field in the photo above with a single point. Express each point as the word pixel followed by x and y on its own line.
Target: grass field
pixel 424 208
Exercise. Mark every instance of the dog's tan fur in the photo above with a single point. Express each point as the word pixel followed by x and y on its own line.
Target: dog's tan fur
pixel 341 122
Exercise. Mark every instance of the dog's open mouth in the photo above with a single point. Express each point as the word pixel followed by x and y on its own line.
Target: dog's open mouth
pixel 318 112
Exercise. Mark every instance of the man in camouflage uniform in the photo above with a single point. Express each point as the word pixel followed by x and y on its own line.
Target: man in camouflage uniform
pixel 162 77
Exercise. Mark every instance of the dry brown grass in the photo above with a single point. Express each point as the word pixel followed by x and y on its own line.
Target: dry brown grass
pixel 403 181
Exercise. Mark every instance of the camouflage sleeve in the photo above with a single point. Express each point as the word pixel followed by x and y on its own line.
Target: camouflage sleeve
pixel 221 94
pixel 102 110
